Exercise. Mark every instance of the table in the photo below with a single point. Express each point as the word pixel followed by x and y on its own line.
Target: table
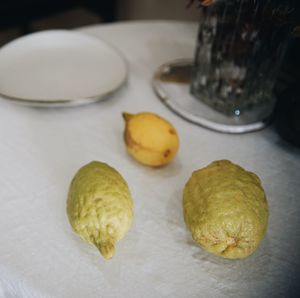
pixel 42 148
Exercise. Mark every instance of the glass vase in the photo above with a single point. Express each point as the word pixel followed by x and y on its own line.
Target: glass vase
pixel 240 47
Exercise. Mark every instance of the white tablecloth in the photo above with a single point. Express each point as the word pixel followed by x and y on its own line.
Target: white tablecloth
pixel 41 149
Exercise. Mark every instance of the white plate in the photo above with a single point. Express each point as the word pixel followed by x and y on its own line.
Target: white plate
pixel 59 67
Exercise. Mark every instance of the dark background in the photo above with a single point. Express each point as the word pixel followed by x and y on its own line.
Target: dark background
pixel 18 17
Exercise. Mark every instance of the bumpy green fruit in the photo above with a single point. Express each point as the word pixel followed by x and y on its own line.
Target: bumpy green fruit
pixel 99 206
pixel 225 209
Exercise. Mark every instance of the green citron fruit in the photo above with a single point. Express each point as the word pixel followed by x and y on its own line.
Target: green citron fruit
pixel 225 209
pixel 99 206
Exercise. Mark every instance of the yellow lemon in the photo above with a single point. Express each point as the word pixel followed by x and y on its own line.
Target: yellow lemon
pixel 226 210
pixel 150 139
pixel 99 206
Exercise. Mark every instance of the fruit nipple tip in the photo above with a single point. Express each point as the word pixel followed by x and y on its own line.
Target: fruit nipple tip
pixel 107 250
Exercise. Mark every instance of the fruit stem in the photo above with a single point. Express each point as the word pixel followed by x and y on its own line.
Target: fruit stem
pixel 127 116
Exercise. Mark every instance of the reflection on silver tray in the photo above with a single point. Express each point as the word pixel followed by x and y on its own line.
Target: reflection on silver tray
pixel 171 83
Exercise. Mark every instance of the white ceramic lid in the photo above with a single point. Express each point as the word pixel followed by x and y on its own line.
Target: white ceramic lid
pixel 56 66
